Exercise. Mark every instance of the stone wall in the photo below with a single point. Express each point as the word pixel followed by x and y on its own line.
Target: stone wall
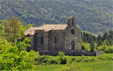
pixel 55 40
pixel 74 53
pixel 38 40
pixel 72 34
pixel 46 39
pixel 69 37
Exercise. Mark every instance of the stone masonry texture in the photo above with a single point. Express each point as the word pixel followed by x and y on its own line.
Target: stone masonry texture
pixel 59 37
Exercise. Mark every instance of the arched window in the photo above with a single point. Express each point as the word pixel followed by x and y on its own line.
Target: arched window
pixel 55 40
pixel 41 40
pixel 72 31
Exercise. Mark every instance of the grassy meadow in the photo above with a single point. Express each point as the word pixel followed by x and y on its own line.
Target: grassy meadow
pixel 102 62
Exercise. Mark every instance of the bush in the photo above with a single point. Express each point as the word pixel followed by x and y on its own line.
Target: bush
pixel 45 60
pixel 104 57
pixel 27 60
pixel 61 53
pixel 78 60
pixel 106 49
pixel 100 48
pixel 51 61
pixel 109 49
pixel 63 60
pixel 85 46
pixel 41 59
pixel 92 46
pixel 12 58
pixel 72 59
pixel 84 59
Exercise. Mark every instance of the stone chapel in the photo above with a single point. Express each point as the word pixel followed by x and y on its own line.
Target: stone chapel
pixel 55 37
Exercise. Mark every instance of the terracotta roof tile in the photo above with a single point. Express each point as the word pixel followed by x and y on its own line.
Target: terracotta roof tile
pixel 46 28
pixel 30 31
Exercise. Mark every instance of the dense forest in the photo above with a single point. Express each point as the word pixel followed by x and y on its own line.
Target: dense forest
pixel 92 16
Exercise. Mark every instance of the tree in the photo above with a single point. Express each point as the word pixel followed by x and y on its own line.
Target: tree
pixel 104 44
pixel 110 41
pixel 15 57
pixel 111 32
pixel 2 32
pixel 2 28
pixel 105 36
pixel 99 40
pixel 92 46
pixel 90 38
pixel 12 29
pixel 110 38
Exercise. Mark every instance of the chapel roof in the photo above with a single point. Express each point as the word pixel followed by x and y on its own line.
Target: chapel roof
pixel 46 28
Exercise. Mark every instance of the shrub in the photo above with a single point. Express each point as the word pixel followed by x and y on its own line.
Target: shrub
pixel 106 49
pixel 61 53
pixel 109 49
pixel 11 58
pixel 92 46
pixel 85 46
pixel 63 60
pixel 78 60
pixel 85 59
pixel 45 60
pixel 100 48
pixel 27 60
pixel 72 59
pixel 51 61
pixel 41 59
pixel 103 46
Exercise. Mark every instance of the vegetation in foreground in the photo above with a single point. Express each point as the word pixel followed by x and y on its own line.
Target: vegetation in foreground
pixel 102 62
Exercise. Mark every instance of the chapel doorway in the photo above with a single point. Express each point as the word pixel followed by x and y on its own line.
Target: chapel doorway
pixel 72 45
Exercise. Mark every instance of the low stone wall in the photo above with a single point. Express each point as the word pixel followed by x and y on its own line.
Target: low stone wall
pixel 73 53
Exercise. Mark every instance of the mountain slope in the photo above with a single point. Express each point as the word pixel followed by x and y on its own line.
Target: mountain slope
pixel 92 16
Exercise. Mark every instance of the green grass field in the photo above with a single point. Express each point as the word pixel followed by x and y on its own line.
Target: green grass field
pixel 102 62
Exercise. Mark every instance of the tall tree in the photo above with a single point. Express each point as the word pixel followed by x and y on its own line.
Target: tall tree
pixel 2 29
pixel 99 40
pixel 12 29
pixel 92 46
pixel 110 36
pixel 105 36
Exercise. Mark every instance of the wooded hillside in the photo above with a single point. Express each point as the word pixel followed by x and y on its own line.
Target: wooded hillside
pixel 92 16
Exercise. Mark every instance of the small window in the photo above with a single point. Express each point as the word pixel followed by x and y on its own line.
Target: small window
pixel 55 40
pixel 41 40
pixel 72 31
